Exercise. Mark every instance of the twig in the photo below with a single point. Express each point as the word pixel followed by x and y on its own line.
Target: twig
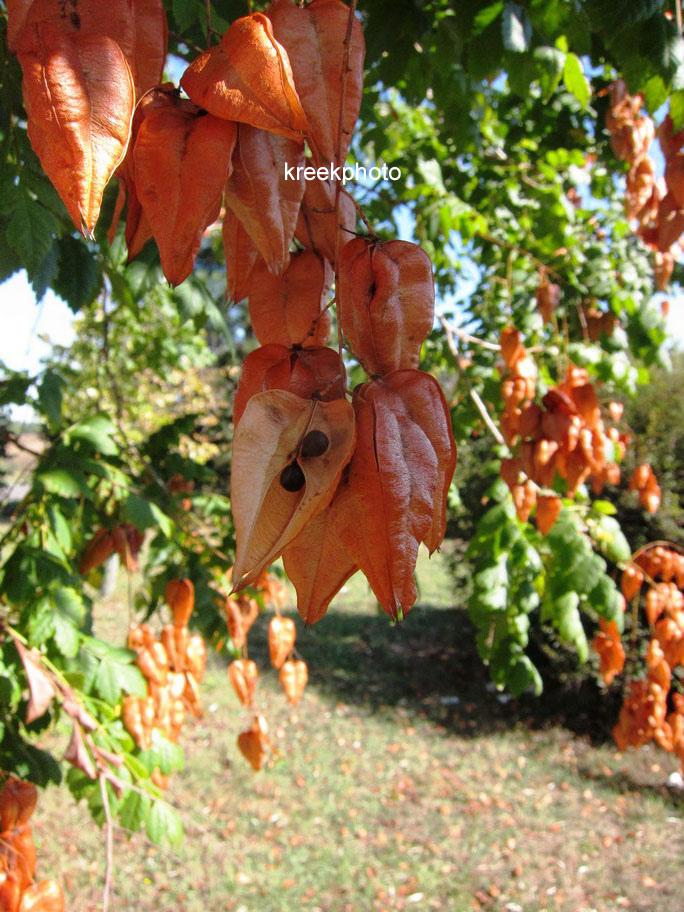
pixel 474 395
pixel 181 39
pixel 361 213
pixel 338 151
pixel 482 409
pixel 109 844
pixel 466 337
pixel 526 253
pixel 12 438
pixel 660 543
pixel 343 93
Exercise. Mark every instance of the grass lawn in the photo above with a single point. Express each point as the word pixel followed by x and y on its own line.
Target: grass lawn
pixel 403 782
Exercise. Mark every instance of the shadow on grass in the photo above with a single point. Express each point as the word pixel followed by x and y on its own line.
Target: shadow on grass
pixel 633 781
pixel 429 665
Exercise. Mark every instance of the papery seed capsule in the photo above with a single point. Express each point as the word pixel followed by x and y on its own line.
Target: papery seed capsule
pixel 314 444
pixel 292 477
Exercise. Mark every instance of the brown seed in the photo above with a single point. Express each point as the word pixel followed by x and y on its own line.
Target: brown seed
pixel 314 444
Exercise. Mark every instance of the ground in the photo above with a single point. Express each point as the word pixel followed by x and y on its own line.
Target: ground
pixel 404 781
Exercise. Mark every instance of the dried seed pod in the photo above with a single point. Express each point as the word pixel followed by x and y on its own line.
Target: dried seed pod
pixel 243 675
pixel 548 509
pixel 17 803
pixel 196 656
pixel 180 597
pixel 270 506
pixel 293 678
pixel 281 639
pixel 253 742
pixel 44 896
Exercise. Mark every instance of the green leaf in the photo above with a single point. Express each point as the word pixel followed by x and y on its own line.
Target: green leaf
pixel 186 13
pixel 79 276
pixel 612 16
pixel 524 675
pixel 169 755
pixel 611 539
pixel 517 29
pixel 655 94
pixel 41 622
pixel 50 396
pixel 575 81
pixel 605 599
pixel 486 16
pixel 677 109
pixel 569 623
pixel 97 431
pixel 13 389
pixel 45 275
pixel 604 507
pixel 163 823
pixel 495 519
pixel 431 173
pixel 114 677
pixel 145 515
pixel 63 483
pixel 69 604
pixel 134 809
pixel 66 637
pixel 60 527
pixel 30 228
pixel 492 575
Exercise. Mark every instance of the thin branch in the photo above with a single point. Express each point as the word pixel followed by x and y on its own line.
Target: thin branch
pixel 12 438
pixel 486 417
pixel 526 253
pixel 466 337
pixel 361 213
pixel 343 94
pixel 660 543
pixel 474 395
pixel 338 151
pixel 109 844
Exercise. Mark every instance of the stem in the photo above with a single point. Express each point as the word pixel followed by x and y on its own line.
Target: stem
pixel 109 844
pixel 678 14
pixel 21 446
pixel 526 253
pixel 466 337
pixel 338 155
pixel 361 213
pixel 474 395
pixel 660 543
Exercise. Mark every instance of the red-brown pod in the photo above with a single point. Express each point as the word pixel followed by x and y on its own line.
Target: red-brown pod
pixel 386 302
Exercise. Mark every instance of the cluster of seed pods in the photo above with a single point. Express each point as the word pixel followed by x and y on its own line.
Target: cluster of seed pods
pixel 18 891
pixel 652 709
pixel 173 665
pixel 564 435
pixel 654 205
pixel 243 673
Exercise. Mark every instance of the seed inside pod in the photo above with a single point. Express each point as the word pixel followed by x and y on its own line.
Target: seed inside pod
pixel 292 477
pixel 314 444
